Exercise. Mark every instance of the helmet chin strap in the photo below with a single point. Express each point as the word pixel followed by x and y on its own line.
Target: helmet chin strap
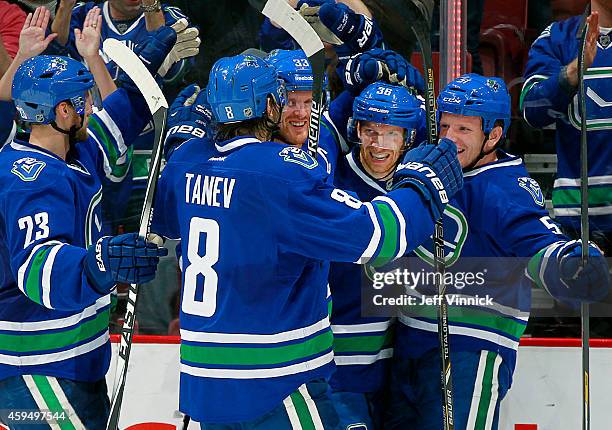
pixel 70 133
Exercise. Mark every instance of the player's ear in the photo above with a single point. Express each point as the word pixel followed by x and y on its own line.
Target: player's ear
pixel 494 137
pixel 62 110
pixel 358 130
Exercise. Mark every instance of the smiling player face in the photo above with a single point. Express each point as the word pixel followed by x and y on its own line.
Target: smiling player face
pixel 381 147
pixel 294 121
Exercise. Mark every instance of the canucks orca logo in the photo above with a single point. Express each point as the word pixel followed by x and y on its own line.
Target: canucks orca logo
pixel 297 156
pixel 455 235
pixel 493 84
pixel 533 187
pixel 28 169
pixel 597 81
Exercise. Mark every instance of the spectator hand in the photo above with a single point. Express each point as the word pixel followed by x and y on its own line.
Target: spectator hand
pixel 187 45
pixel 434 171
pixel 87 40
pixel 32 40
pixel 125 258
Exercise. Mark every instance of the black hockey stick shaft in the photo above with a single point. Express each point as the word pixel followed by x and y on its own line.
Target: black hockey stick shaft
pixel 438 239
pixel 584 222
pixel 135 69
pixel 293 23
pixel 414 14
pixel 127 331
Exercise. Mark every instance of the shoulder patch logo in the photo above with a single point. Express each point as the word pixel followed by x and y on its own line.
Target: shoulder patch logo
pixel 532 186
pixel 28 169
pixel 295 155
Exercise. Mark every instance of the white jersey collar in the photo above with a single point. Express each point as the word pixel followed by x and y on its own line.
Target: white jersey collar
pixel 111 24
pixel 236 142
pixel 355 166
pixel 507 161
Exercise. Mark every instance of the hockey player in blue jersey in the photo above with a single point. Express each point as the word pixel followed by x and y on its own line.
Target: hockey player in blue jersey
pixel 499 220
pixel 56 268
pixel 550 96
pixel 257 221
pixel 385 121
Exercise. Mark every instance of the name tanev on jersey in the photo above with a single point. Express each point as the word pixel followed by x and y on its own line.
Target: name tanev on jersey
pixel 207 190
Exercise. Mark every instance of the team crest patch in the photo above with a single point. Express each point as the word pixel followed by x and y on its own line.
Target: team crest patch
pixel 493 84
pixel 28 169
pixel 297 156
pixel 533 187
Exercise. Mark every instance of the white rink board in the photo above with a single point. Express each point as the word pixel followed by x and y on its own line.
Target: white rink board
pixel 546 389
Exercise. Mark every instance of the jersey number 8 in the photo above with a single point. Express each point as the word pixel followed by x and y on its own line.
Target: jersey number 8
pixel 201 265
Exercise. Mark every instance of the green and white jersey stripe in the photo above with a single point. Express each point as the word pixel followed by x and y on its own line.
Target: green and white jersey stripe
pixel 363 344
pixel 49 396
pixel 302 410
pixel 48 341
pixel 117 156
pixel 486 392
pixel 566 196
pixel 242 355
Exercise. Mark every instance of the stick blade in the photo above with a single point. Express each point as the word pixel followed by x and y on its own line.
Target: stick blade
pixel 131 64
pixel 293 23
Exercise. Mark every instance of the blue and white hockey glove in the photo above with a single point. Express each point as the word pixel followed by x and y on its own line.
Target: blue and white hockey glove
pixel 434 171
pixel 356 31
pixel 190 116
pixel 379 64
pixel 124 258
pixel 153 51
pixel 589 283
pixel 558 269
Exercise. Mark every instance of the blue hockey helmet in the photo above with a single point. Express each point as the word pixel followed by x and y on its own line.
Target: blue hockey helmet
pixel 387 104
pixel 294 69
pixel 238 88
pixel 42 82
pixel 475 95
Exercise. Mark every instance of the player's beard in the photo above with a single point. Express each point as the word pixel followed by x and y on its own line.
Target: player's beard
pixel 81 135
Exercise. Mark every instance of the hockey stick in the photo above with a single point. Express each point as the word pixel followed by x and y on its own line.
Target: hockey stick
pixel 129 62
pixel 414 13
pixel 584 222
pixel 293 23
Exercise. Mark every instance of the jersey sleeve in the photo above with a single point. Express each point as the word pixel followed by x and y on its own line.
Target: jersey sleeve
pixel 544 95
pixel 530 233
pixel 114 129
pixel 335 120
pixel 40 220
pixel 326 223
pixel 165 219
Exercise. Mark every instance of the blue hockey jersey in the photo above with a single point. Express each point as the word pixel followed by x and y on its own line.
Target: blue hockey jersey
pixel 362 345
pixel 257 222
pixel 544 102
pixel 499 220
pixel 52 321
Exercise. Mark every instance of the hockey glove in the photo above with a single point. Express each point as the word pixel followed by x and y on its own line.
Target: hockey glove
pixel 152 52
pixel 589 283
pixel 378 64
pixel 434 171
pixel 124 258
pixel 356 31
pixel 187 45
pixel 190 116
